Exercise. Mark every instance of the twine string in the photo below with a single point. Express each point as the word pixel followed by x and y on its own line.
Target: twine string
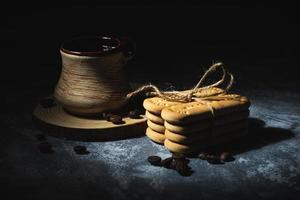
pixel 195 94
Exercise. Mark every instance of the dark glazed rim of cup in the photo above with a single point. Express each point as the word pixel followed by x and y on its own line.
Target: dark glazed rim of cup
pixel 69 46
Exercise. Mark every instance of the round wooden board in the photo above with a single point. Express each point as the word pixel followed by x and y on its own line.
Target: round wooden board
pixel 57 122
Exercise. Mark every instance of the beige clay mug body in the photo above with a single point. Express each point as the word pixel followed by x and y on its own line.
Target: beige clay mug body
pixel 92 78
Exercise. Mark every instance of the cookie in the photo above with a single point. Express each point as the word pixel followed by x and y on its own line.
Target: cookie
pixel 156 104
pixel 217 131
pixel 154 118
pixel 194 147
pixel 156 127
pixel 180 148
pixel 155 136
pixel 206 123
pixel 186 139
pixel 195 111
pixel 185 129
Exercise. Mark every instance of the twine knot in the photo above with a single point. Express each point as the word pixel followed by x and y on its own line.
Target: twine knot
pixel 197 93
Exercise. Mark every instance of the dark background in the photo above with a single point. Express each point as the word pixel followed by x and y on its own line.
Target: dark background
pixel 174 38
pixel 176 41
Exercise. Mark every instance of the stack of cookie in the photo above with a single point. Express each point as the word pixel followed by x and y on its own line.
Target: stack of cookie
pixel 192 126
pixel 156 128
pixel 187 127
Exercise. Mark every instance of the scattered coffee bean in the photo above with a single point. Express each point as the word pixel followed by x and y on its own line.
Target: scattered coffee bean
pixel 177 162
pixel 181 157
pixel 182 168
pixel 168 163
pixel 134 114
pixel 47 102
pixel 226 157
pixel 80 150
pixel 212 159
pixel 116 119
pixel 203 155
pixel 40 137
pixel 45 147
pixel 154 160
pixel 179 165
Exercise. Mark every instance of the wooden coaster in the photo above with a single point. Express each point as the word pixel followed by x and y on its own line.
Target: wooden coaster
pixel 56 121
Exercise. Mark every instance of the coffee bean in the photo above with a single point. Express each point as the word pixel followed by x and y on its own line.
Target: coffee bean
pixel 80 150
pixel 134 114
pixel 203 155
pixel 116 119
pixel 45 147
pixel 179 165
pixel 168 162
pixel 181 157
pixel 226 157
pixel 182 168
pixel 154 160
pixel 212 159
pixel 185 172
pixel 47 102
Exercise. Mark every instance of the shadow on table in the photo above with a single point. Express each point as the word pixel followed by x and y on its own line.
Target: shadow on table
pixel 257 137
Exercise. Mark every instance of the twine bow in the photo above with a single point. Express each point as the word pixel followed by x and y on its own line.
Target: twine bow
pixel 197 93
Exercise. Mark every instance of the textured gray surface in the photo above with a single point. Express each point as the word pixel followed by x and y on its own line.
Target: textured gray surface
pixel 266 166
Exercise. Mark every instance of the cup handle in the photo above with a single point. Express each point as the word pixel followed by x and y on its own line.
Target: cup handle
pixel 128 48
